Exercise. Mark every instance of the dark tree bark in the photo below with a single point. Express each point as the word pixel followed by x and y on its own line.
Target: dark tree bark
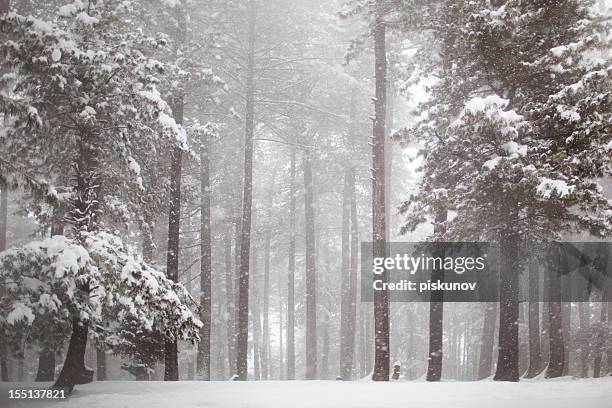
pixel 381 300
pixel 311 272
pixel 203 357
pixel 436 312
pixel 507 360
pixel 171 370
pixel 486 345
pixel 556 361
pixel 46 366
pixel 74 370
pixel 291 274
pixel 242 330
pixel 535 352
pixel 4 372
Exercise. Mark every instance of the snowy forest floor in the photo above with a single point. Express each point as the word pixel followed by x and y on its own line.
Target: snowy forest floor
pixel 559 393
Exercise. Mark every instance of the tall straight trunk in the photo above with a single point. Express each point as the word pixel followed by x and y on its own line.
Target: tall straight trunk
pixel 281 348
pixel 556 361
pixel 584 322
pixel 311 272
pixel 352 303
pixel 291 274
pixel 363 345
pixel 507 359
pixel 381 300
pixel 486 345
pixel 265 349
pixel 345 364
pixel 4 372
pixel 604 316
pixel 535 352
pixel 242 330
pixel 436 312
pixel 229 300
pixel 4 375
pixel 324 374
pixel 171 369
pixel 256 318
pixel 203 357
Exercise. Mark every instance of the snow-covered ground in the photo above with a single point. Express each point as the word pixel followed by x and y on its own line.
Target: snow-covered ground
pixel 560 393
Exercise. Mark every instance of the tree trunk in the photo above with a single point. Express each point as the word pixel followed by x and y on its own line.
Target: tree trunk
pixel 229 299
pixel 345 364
pixel 281 348
pixel 171 370
pixel 74 370
pixel 311 273
pixel 436 312
pixel 4 372
pixel 203 358
pixel 584 322
pixel 556 360
pixel 352 298
pixel 507 359
pixel 324 374
pixel 100 364
pixel 381 300
pixel 535 352
pixel 486 346
pixel 242 330
pixel 46 366
pixel 255 318
pixel 265 350
pixel 291 275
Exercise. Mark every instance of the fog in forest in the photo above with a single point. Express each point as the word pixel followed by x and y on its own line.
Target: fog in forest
pixel 186 186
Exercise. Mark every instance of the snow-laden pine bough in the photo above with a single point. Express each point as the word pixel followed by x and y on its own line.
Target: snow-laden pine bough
pixel 94 285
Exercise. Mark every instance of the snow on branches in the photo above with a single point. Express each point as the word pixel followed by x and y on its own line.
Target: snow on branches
pixel 49 282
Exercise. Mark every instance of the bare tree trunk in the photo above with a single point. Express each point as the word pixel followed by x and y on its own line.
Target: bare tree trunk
pixel 256 318
pixel 100 364
pixel 381 300
pixel 265 351
pixel 556 361
pixel 436 312
pixel 507 359
pixel 352 297
pixel 171 370
pixel 229 299
pixel 311 272
pixel 291 275
pixel 486 346
pixel 603 315
pixel 345 365
pixel 281 348
pixel 203 357
pixel 535 352
pixel 4 372
pixel 584 321
pixel 324 374
pixel 242 331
